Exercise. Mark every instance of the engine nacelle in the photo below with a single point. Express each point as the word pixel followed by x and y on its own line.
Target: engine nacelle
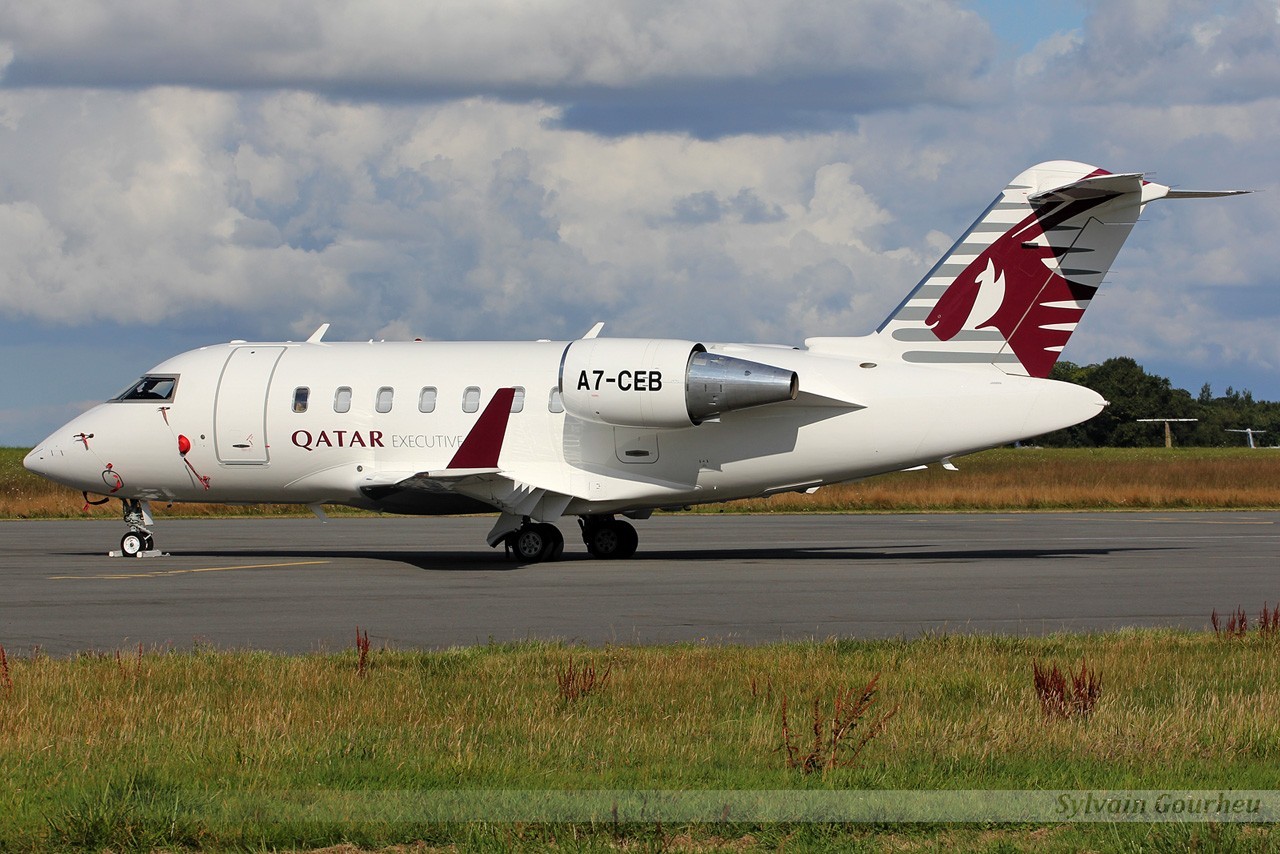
pixel 663 383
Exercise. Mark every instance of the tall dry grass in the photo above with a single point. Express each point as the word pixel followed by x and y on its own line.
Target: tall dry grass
pixel 1001 479
pixel 1059 479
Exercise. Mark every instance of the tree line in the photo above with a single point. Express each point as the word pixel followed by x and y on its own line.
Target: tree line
pixel 1135 394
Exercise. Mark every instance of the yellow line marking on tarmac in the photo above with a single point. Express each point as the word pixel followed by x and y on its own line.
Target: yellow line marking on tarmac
pixel 165 572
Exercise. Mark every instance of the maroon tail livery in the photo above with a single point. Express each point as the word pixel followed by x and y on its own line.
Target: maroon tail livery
pixel 1040 307
pixel 1013 289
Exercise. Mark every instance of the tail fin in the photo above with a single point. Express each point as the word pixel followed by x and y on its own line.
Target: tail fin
pixel 1013 288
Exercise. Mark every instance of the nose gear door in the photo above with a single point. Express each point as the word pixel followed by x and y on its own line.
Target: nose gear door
pixel 240 409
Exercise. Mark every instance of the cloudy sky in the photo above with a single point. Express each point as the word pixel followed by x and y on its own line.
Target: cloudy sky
pixel 176 174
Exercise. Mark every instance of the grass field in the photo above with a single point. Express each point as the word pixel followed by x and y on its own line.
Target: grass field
pixel 1001 479
pixel 142 751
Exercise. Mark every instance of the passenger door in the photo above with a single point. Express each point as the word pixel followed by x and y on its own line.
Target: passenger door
pixel 240 409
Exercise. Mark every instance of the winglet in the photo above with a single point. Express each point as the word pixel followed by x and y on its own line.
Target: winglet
pixel 318 335
pixel 594 330
pixel 483 444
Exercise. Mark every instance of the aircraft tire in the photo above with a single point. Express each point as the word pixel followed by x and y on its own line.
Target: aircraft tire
pixel 133 544
pixel 555 541
pixel 534 543
pixel 630 539
pixel 612 539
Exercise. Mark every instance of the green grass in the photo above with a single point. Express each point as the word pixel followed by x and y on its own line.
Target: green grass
pixel 139 751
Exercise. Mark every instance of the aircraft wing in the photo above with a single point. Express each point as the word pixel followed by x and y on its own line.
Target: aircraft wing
pixel 491 487
pixel 474 473
pixel 445 476
pixel 495 487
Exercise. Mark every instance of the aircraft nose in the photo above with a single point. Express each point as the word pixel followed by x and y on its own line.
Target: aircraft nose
pixel 49 459
pixel 39 460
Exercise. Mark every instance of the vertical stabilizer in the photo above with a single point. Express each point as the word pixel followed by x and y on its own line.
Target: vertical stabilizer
pixel 1014 287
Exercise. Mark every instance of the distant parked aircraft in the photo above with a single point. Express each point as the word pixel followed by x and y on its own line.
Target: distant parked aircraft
pixel 1249 434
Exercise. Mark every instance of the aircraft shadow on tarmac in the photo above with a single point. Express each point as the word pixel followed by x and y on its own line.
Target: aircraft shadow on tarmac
pixel 481 561
pixel 896 554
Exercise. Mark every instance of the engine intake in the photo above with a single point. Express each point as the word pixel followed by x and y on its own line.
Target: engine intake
pixel 663 383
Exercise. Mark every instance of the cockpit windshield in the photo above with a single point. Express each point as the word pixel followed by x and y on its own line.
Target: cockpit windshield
pixel 150 388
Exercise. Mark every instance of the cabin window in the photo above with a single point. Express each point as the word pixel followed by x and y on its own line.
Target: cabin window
pixel 517 400
pixel 471 399
pixel 150 388
pixel 382 403
pixel 342 399
pixel 427 399
pixel 300 396
pixel 555 403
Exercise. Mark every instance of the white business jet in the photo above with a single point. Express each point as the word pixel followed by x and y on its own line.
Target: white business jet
pixel 601 427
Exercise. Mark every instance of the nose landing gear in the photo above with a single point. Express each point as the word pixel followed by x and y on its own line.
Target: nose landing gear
pixel 138 540
pixel 134 543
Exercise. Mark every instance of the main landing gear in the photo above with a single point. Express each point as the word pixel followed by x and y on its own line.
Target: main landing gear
pixel 606 538
pixel 534 542
pixel 137 541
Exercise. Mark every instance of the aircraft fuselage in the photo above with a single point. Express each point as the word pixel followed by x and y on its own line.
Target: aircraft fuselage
pixel 238 405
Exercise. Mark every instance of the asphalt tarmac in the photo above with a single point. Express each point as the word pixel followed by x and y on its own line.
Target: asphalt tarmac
pixel 296 585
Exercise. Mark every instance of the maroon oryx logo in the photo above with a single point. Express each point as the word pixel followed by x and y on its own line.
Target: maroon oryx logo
pixel 1013 286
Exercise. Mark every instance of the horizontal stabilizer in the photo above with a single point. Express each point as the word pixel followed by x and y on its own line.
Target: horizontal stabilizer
pixel 1204 194
pixel 1096 187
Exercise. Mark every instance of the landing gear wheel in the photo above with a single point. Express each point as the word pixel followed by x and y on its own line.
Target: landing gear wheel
pixel 555 541
pixel 537 542
pixel 610 539
pixel 137 541
pixel 528 543
pixel 134 543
